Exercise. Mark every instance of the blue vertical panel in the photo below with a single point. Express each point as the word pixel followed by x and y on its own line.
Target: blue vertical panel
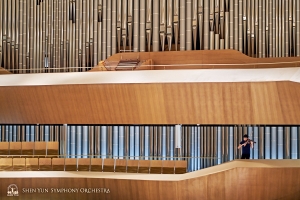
pixel 27 136
pixel 255 138
pixel 198 148
pixel 73 142
pixel 68 138
pixel 14 138
pixel 231 147
pixel 121 142
pixel 274 143
pixel 131 142
pixel 164 143
pixel 147 144
pixel 10 133
pixel 219 145
pixel 172 141
pixel 280 142
pixel 267 142
pixel 192 152
pixel 250 134
pixel 294 140
pixel 79 142
pixel 6 133
pixel 85 141
pixel 195 148
pixel 136 142
pixel 32 129
pixel 46 133
pixel 103 141
pixel 115 141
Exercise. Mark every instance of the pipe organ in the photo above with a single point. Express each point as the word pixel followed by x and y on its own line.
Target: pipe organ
pixel 202 146
pixel 73 35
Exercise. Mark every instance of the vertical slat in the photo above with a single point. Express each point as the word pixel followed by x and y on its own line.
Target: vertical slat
pixel 298 27
pixel 263 28
pixel 188 21
pixel 83 34
pixel 206 25
pixel 104 28
pixel 115 142
pixel 280 143
pixel 109 142
pixel 151 143
pixel 260 27
pixel 279 17
pixel 287 143
pixel 136 25
pixel 108 28
pixel 137 142
pixel 240 35
pixel 74 23
pixel 142 31
pixel 236 25
pixel 85 139
pixel 103 141
pixel 270 26
pixel 274 25
pixel 97 142
pixel 287 17
pixel 274 143
pixel 162 22
pixel 236 142
pixel 155 142
pixel 142 142
pixel 294 144
pixel 73 142
pixel 170 23
pixel 113 28
pixel 155 41
pixel 1 31
pixel 79 141
pixel 231 24
pixel 147 143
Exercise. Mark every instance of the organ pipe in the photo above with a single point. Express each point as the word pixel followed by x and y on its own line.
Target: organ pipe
pixel 52 36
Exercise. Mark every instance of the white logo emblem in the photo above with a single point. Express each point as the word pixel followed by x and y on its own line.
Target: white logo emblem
pixel 12 190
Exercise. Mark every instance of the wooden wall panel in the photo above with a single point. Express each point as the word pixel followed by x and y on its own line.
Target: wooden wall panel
pixel 169 103
pixel 242 182
pixel 229 59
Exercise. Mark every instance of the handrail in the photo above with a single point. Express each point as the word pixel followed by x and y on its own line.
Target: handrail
pixel 43 70
pixel 107 156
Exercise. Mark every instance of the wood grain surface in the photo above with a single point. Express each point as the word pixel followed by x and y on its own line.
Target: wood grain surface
pixel 247 182
pixel 157 103
pixel 205 59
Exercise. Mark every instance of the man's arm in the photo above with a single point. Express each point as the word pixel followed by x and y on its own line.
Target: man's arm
pixel 251 144
pixel 242 144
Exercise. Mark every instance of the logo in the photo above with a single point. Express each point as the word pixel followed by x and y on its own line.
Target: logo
pixel 12 190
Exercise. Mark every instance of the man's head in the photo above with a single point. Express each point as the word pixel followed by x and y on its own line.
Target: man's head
pixel 245 137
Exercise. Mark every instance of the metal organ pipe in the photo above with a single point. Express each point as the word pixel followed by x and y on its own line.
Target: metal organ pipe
pixel 188 32
pixel 156 29
pixel 136 25
pixel 182 26
pixel 163 23
pixel 78 34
